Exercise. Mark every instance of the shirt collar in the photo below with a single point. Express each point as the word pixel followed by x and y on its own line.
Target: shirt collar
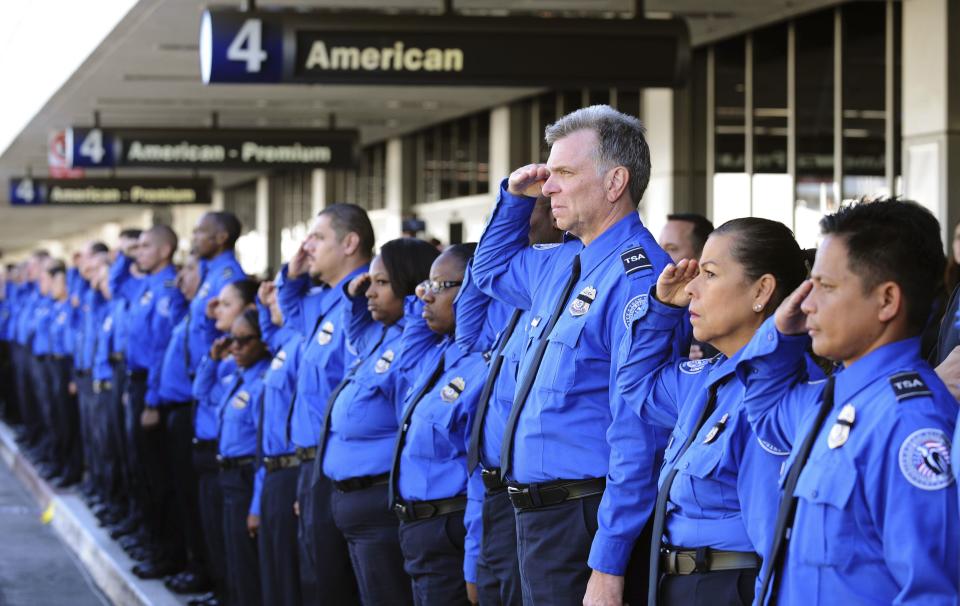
pixel 609 241
pixel 879 363
pixel 222 259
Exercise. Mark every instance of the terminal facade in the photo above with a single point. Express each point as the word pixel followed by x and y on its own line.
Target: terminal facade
pixel 784 113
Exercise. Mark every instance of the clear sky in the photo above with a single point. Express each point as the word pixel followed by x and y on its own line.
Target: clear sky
pixel 42 42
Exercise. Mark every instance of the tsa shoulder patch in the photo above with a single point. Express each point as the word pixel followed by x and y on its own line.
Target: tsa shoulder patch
pixel 227 273
pixel 635 309
pixel 768 447
pixel 635 260
pixel 908 385
pixel 546 246
pixel 924 459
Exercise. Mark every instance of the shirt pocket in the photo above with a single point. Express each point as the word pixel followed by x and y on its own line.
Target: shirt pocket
pixel 825 488
pixel 709 491
pixel 558 369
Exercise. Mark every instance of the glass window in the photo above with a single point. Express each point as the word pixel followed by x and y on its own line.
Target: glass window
pixel 628 101
pixel 371 183
pixel 241 200
pixel 815 194
pixel 453 159
pixel 863 94
pixel 770 100
pixel 729 96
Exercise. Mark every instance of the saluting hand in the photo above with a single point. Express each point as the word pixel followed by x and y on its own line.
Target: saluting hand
pixel 218 350
pixel 528 180
pixel 359 285
pixel 949 372
pixel 267 293
pixel 211 310
pixel 298 264
pixel 673 280
pixel 789 318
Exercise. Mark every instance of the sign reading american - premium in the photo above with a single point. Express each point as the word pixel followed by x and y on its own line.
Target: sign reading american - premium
pixel 211 148
pixel 365 48
pixel 31 192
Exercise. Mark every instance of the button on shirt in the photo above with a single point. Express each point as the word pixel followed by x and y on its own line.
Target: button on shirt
pixel 325 353
pixel 365 413
pixel 876 519
pixel 562 432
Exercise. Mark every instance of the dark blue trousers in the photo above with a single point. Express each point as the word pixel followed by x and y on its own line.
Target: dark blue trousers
pixel 135 389
pixel 324 557
pixel 44 399
pixel 26 403
pixel 433 557
pixel 243 571
pixel 210 505
pixel 279 554
pixel 553 544
pixel 87 405
pixel 68 448
pixel 720 588
pixel 371 530
pixel 498 569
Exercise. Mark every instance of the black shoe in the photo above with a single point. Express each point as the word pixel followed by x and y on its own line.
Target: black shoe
pixel 121 529
pixel 66 481
pixel 155 569
pixel 207 599
pixel 133 539
pixel 188 582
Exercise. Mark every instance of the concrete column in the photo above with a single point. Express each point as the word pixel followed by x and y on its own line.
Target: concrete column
pixel 501 162
pixel 656 108
pixel 216 203
pixel 931 107
pixel 318 190
pixel 389 223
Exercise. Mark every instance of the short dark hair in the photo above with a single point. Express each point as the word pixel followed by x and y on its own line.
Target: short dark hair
pixel 346 218
pixel 166 235
pixel 98 247
pixel 56 267
pixel 230 224
pixel 702 228
pixel 131 233
pixel 408 262
pixel 761 247
pixel 41 253
pixel 892 241
pixel 252 318
pixel 622 142
pixel 247 289
pixel 463 252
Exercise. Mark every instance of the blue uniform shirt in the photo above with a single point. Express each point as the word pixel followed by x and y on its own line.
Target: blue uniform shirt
pixel 574 424
pixel 102 369
pixel 876 521
pixel 724 494
pixel 433 462
pixel 175 383
pixel 41 325
pixel 93 310
pixel 325 353
pixel 202 331
pixel 365 413
pixel 208 390
pixel 60 334
pixel 29 293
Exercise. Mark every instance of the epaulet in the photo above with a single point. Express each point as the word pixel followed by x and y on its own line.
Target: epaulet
pixel 908 385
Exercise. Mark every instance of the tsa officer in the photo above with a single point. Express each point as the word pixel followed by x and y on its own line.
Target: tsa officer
pixel 359 431
pixel 572 450
pixel 716 505
pixel 238 415
pixel 275 484
pixel 868 513
pixel 498 572
pixel 338 248
pixel 428 479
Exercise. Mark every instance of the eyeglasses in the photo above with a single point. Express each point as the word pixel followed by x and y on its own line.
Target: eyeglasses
pixel 436 286
pixel 242 341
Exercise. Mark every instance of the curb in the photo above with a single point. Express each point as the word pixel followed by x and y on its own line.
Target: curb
pixel 103 559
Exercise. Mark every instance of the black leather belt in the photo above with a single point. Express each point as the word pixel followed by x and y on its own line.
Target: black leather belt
pixel 689 561
pixel 307 454
pixel 532 496
pixel 117 356
pixel 204 445
pixel 281 462
pixel 234 462
pixel 361 483
pixel 411 511
pixel 491 481
pixel 137 375
pixel 175 405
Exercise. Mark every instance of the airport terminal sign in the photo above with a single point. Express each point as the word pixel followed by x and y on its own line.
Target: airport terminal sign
pixel 219 149
pixel 358 48
pixel 95 192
